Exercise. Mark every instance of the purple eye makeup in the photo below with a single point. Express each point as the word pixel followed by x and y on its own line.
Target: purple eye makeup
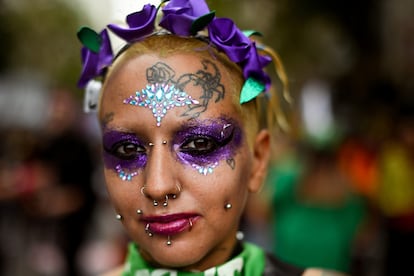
pixel 124 153
pixel 202 144
pixel 160 98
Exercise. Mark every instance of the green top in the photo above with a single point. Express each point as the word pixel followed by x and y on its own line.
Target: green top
pixel 310 235
pixel 250 261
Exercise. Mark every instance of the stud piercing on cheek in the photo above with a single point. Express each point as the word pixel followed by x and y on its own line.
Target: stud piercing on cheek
pixel 139 212
pixel 118 217
pixel 227 206
pixel 164 142
pixel 169 241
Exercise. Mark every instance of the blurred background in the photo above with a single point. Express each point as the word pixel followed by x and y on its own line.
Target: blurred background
pixel 340 191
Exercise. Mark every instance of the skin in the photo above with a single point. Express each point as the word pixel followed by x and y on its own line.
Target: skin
pixel 240 168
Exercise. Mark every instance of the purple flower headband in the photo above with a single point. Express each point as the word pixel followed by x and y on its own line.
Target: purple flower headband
pixel 182 18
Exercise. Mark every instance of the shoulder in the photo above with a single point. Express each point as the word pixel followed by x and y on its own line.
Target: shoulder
pixel 322 272
pixel 114 272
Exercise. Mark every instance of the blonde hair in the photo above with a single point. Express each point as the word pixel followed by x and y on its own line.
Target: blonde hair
pixel 262 112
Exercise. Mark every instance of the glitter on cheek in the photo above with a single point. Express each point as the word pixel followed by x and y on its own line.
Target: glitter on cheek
pixel 124 175
pixel 160 98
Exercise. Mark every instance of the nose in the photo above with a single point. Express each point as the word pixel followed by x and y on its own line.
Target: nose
pixel 160 181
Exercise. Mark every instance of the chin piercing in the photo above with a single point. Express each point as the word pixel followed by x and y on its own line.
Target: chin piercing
pixel 155 203
pixel 169 241
pixel 147 230
pixel 139 212
pixel 118 217
pixel 165 204
pixel 227 206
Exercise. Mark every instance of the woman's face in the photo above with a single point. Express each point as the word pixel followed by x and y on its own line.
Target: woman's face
pixel 171 136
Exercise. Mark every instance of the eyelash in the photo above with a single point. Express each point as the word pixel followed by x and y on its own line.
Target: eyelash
pixel 197 150
pixel 127 154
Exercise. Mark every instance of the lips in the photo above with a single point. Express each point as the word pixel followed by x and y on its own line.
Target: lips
pixel 168 225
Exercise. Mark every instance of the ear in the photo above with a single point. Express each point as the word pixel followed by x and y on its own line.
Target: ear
pixel 261 156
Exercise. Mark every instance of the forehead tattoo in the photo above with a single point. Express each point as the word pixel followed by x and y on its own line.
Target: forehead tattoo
pixel 165 91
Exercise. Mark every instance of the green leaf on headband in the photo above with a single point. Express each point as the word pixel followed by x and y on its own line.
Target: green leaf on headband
pixel 201 22
pixel 249 33
pixel 250 90
pixel 90 39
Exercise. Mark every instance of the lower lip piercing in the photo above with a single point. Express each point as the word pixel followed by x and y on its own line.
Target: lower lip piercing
pixel 169 241
pixel 147 230
pixel 190 222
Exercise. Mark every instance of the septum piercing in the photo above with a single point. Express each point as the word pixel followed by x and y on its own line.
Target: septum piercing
pixel 165 204
pixel 155 203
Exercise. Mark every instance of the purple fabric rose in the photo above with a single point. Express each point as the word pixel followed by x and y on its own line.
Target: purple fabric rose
pixel 225 35
pixel 254 64
pixel 179 15
pixel 95 63
pixel 140 24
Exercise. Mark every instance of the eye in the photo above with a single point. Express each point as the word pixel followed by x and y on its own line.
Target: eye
pixel 127 150
pixel 199 146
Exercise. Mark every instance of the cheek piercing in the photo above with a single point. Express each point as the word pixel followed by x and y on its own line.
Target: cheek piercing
pixel 139 212
pixel 118 217
pixel 228 206
pixel 164 142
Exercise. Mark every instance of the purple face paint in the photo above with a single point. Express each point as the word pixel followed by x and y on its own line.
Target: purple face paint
pixel 124 153
pixel 159 98
pixel 203 144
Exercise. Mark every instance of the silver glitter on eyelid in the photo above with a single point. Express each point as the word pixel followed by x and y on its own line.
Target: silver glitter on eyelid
pixel 159 98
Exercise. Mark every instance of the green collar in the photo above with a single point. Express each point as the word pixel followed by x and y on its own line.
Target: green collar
pixel 249 262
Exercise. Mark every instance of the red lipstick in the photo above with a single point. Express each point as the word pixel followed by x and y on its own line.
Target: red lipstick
pixel 169 225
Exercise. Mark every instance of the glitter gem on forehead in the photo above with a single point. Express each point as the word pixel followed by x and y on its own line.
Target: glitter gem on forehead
pixel 159 98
